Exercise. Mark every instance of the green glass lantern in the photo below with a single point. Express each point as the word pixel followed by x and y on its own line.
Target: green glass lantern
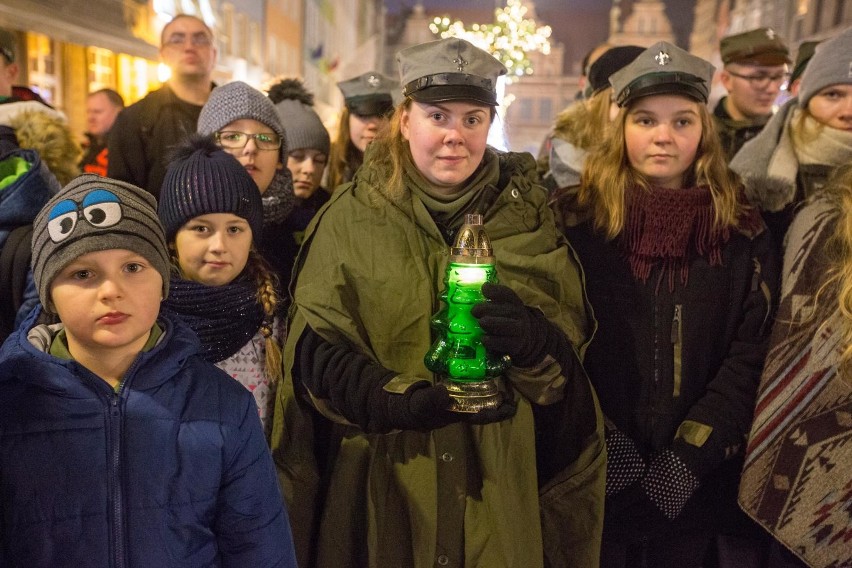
pixel 470 373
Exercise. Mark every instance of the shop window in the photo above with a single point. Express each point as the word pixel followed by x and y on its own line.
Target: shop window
pixel 100 64
pixel 42 73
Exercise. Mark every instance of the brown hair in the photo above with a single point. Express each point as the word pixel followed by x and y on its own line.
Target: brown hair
pixel 608 175
pixel 184 16
pixel 267 296
pixel 341 148
pixel 584 122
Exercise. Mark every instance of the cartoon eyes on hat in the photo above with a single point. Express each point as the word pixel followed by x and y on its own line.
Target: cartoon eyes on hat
pixel 100 208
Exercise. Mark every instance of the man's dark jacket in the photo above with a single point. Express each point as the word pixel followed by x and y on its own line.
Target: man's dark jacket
pixel 144 134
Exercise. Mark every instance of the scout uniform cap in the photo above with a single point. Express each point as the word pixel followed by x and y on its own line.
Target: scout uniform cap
pixel 803 56
pixel 663 68
pixel 755 47
pixel 369 94
pixel 450 69
pixel 7 45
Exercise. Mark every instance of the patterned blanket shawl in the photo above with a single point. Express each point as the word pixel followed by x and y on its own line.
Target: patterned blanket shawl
pixel 797 480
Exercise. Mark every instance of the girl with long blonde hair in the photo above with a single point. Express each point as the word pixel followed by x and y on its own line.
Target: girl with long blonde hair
pixel 681 276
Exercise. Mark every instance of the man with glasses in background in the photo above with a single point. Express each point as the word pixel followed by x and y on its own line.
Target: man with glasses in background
pixel 755 70
pixel 145 132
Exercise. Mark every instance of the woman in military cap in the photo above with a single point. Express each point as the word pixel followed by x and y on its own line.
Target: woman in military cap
pixel 681 275
pixel 400 480
pixel 368 102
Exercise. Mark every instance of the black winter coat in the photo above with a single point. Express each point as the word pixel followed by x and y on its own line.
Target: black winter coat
pixel 145 133
pixel 689 359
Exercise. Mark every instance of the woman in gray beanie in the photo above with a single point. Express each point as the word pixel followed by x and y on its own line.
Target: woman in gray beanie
pixel 805 141
pixel 244 123
pixel 308 144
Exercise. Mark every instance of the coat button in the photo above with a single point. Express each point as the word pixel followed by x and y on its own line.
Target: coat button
pixel 443 560
pixel 447 457
pixel 515 192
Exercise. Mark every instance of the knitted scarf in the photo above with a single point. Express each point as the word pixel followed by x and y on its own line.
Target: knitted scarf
pixel 224 317
pixel 667 228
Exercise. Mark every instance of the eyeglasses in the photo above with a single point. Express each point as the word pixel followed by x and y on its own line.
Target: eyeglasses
pixel 762 81
pixel 235 140
pixel 198 39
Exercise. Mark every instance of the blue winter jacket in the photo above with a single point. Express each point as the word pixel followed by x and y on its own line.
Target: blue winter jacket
pixel 171 471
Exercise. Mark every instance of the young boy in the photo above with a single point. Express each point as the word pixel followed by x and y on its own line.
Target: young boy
pixel 119 445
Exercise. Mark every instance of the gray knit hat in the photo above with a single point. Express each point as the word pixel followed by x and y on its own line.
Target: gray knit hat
pixel 94 213
pixel 201 179
pixel 830 65
pixel 304 128
pixel 235 101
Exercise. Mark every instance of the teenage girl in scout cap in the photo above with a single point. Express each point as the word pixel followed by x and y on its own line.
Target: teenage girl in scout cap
pixel 681 275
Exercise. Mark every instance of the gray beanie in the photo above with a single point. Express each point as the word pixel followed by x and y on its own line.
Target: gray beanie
pixel 235 101
pixel 303 125
pixel 830 65
pixel 94 213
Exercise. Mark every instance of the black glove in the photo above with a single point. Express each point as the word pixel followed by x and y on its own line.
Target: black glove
pixel 511 328
pixel 424 407
pixel 624 464
pixel 669 484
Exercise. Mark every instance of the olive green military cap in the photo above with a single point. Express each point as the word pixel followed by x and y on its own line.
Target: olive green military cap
pixel 370 94
pixel 755 47
pixel 663 68
pixel 803 56
pixel 450 69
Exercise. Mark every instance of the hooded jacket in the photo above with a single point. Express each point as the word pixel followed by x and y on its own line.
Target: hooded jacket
pixel 170 470
pixel 370 273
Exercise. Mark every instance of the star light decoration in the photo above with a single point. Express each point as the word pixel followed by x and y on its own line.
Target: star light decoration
pixel 509 38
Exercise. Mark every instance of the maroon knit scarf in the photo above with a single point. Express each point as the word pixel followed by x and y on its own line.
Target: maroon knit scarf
pixel 668 228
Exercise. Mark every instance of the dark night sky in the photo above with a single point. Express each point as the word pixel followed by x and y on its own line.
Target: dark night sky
pixel 578 24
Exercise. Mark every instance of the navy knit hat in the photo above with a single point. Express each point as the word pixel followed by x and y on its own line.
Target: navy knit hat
pixel 202 179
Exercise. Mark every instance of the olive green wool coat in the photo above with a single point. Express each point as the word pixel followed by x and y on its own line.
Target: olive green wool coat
pixel 370 273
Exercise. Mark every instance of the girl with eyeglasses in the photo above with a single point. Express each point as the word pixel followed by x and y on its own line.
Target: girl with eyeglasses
pixel 244 123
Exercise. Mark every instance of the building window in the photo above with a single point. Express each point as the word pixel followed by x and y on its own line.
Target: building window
pixel 545 110
pixel 136 76
pixel 41 67
pixel 525 109
pixel 101 68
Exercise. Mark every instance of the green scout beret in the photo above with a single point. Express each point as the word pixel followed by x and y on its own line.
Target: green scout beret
pixel 370 94
pixel 663 68
pixel 450 69
pixel 755 47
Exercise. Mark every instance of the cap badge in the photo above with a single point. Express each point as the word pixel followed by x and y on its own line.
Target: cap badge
pixel 662 58
pixel 373 81
pixel 770 34
pixel 460 62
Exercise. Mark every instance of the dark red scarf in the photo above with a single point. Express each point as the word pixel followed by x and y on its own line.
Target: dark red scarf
pixel 668 228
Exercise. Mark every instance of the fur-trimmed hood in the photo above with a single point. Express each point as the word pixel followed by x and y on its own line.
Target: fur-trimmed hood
pixel 45 130
pixel 752 163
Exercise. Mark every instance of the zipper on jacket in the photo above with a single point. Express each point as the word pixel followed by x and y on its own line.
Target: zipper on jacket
pixel 115 475
pixel 677 342
pixel 117 494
